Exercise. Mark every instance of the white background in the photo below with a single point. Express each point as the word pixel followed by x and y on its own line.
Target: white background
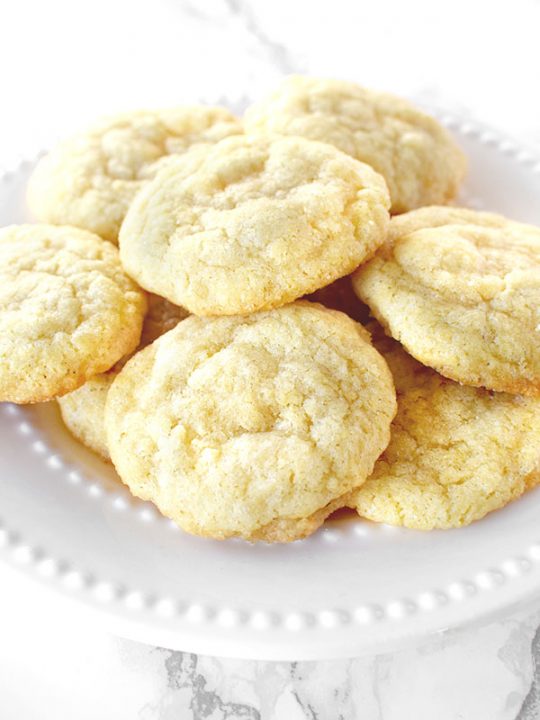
pixel 62 63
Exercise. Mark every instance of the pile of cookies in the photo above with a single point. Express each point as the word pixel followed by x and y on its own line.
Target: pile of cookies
pixel 294 320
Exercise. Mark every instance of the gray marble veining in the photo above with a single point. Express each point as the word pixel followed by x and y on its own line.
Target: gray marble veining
pixel 279 54
pixel 485 673
pixel 530 709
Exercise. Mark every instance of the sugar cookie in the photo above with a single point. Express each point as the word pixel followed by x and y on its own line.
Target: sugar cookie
pixel 251 224
pixel 89 180
pixel 456 453
pixel 419 160
pixel 67 310
pixel 255 426
pixel 461 291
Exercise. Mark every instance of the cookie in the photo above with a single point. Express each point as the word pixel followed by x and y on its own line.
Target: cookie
pixel 83 410
pixel 461 291
pixel 256 426
pixel 456 453
pixel 252 224
pixel 417 157
pixel 340 295
pixel 433 216
pixel 90 180
pixel 67 310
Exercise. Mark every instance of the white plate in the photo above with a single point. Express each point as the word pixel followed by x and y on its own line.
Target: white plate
pixel 353 587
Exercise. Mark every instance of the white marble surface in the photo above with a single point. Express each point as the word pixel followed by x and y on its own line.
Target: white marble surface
pixel 52 664
pixel 64 62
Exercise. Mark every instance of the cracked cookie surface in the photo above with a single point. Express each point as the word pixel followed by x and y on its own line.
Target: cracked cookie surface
pixel 67 310
pixel 83 410
pixel 251 224
pixel 461 291
pixel 255 426
pixel 419 160
pixel 90 180
pixel 456 453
